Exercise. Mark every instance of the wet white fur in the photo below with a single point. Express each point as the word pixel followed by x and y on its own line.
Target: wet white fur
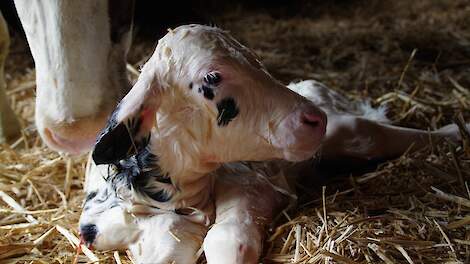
pixel 186 137
pixel 191 147
pixel 186 127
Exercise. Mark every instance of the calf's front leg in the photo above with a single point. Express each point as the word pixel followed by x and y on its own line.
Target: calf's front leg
pixel 167 238
pixel 245 204
pixel 152 235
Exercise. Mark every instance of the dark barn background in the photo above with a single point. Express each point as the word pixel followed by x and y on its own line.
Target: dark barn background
pixel 413 56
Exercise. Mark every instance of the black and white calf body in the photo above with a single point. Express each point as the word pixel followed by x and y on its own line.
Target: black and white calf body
pixel 203 103
pixel 79 50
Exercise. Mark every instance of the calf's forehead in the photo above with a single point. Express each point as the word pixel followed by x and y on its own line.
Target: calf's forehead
pixel 193 48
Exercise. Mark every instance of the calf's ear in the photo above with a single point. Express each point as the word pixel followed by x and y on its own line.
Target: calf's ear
pixel 128 128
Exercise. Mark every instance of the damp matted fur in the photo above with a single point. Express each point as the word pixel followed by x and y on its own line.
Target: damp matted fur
pixel 389 215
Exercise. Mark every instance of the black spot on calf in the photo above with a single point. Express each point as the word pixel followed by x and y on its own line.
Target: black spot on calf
pixel 138 172
pixel 160 196
pixel 90 196
pixel 228 110
pixel 88 233
pixel 208 92
pixel 103 196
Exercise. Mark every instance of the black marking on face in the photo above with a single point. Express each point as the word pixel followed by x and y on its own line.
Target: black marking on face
pixel 90 196
pixel 117 141
pixel 139 172
pixel 212 78
pixel 228 110
pixel 190 85
pixel 101 200
pixel 103 197
pixel 113 205
pixel 208 92
pixel 88 233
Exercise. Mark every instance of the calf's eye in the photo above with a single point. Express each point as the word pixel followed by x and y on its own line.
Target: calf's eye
pixel 212 78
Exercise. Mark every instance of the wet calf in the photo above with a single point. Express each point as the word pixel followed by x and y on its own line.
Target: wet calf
pixel 169 158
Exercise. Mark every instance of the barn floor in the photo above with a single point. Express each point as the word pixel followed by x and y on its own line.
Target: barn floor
pixel 413 57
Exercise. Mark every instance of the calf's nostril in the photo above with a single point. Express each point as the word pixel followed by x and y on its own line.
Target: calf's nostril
pixel 88 233
pixel 310 119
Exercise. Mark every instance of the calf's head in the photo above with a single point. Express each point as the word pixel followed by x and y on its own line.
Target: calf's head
pixel 205 96
pixel 79 49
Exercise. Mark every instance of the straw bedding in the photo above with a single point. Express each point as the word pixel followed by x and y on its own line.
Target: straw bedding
pixel 414 58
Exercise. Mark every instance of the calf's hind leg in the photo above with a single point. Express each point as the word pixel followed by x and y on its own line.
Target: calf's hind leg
pixel 245 204
pixel 356 137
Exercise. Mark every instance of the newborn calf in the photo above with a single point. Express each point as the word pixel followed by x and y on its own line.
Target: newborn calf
pixel 202 101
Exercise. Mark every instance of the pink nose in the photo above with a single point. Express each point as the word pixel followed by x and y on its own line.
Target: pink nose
pixel 70 144
pixel 74 137
pixel 316 120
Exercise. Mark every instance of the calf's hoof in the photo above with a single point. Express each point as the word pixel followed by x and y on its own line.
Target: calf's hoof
pixel 225 244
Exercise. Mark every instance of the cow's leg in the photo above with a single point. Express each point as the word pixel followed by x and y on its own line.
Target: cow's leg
pixel 355 137
pixel 9 125
pixel 244 206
